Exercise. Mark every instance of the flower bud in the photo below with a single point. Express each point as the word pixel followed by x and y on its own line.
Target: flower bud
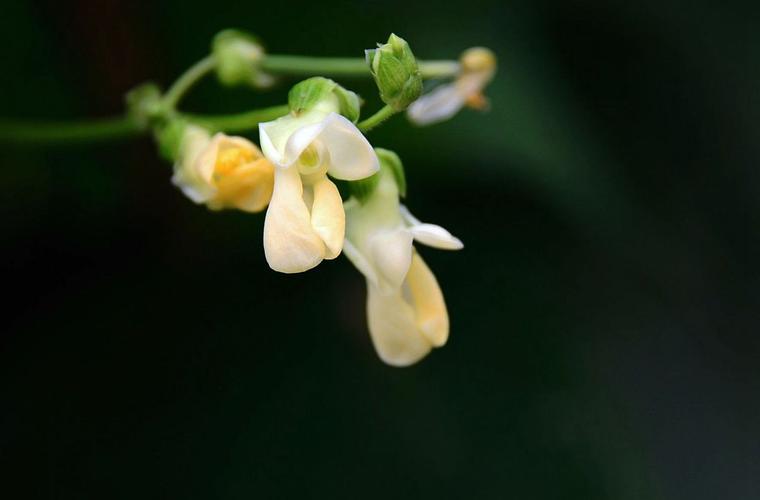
pixel 238 56
pixel 395 71
pixel 318 93
pixel 222 171
pixel 144 104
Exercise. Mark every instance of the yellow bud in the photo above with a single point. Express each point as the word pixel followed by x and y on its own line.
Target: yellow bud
pixel 224 172
pixel 477 59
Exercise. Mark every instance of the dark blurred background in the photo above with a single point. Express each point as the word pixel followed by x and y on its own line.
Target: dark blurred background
pixel 604 311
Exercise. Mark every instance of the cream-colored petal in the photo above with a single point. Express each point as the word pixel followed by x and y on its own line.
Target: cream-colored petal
pixel 290 243
pixel 393 328
pixel 440 104
pixel 277 137
pixel 436 236
pixel 328 217
pixel 351 155
pixel 360 261
pixel 430 312
pixel 430 234
pixel 195 142
pixel 391 255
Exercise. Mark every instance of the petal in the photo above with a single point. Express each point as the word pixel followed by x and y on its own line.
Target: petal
pixel 431 316
pixel 391 254
pixel 440 104
pixel 290 243
pixel 436 236
pixel 249 187
pixel 193 150
pixel 277 137
pixel 207 160
pixel 393 328
pixel 351 155
pixel 430 234
pixel 328 217
pixel 191 186
pixel 360 261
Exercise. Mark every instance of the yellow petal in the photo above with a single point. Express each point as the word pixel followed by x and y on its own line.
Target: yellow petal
pixel 328 217
pixel 290 243
pixel 429 307
pixel 247 187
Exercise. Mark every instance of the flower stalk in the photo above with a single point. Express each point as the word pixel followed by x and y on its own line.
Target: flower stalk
pixel 120 127
pixel 306 149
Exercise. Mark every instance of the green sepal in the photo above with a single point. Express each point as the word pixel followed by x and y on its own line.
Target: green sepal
pixel 316 91
pixel 169 137
pixel 363 188
pixel 308 93
pixel 390 161
pixel 349 102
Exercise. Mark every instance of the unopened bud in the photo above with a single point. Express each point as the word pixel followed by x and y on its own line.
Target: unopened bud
pixel 145 104
pixel 238 58
pixel 395 71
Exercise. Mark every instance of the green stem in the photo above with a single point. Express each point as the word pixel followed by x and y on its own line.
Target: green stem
pixel 376 119
pixel 75 131
pixel 345 66
pixel 187 80
pixel 438 69
pixel 240 122
pixel 120 127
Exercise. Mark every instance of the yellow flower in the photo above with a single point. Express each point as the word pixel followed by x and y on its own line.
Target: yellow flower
pixel 478 69
pixel 223 171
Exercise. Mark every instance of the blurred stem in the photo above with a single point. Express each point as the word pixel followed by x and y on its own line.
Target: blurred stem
pixel 345 66
pixel 376 119
pixel 187 80
pixel 75 131
pixel 239 122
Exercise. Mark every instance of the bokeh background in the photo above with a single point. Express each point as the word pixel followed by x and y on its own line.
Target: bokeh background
pixel 604 312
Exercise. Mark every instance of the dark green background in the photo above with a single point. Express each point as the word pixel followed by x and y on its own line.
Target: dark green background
pixel 604 312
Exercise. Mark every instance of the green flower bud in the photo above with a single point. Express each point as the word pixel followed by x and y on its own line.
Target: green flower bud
pixel 145 104
pixel 323 92
pixel 238 56
pixel 395 71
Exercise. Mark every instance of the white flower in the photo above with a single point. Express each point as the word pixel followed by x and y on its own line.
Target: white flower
pixel 305 222
pixel 478 69
pixel 406 311
pixel 223 171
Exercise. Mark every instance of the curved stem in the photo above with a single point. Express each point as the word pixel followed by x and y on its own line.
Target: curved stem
pixel 345 66
pixel 74 131
pixel 240 122
pixel 120 127
pixel 187 80
pixel 376 119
